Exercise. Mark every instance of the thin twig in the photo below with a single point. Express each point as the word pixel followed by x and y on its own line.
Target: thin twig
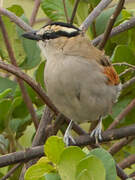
pixel 121 173
pixel 34 12
pixel 96 11
pixel 124 64
pixel 127 162
pixel 119 29
pixel 25 95
pixel 122 114
pixel 126 71
pixel 11 171
pixel 119 145
pixel 111 23
pixel 15 19
pixel 65 10
pixel 38 89
pixel 74 11
pixel 128 83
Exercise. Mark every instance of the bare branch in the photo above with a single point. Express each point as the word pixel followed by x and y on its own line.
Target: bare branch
pixel 15 19
pixel 111 23
pixel 128 83
pixel 34 12
pixel 74 11
pixel 25 95
pixel 96 11
pixel 121 173
pixel 38 89
pixel 119 145
pixel 37 151
pixel 11 171
pixel 122 114
pixel 65 10
pixel 124 64
pixel 127 162
pixel 121 28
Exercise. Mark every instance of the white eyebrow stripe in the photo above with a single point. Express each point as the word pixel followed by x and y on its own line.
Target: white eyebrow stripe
pixel 68 30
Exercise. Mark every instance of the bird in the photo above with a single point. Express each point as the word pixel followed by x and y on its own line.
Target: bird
pixel 79 78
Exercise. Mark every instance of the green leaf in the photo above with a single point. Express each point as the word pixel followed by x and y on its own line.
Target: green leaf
pixel 5 93
pixel 14 40
pixel 4 109
pixel 18 10
pixel 52 176
pixel 84 174
pixel 54 9
pixel 94 2
pixel 40 74
pixel 54 143
pixel 69 159
pixel 37 171
pixel 104 17
pixel 31 50
pixel 123 53
pixel 16 102
pixel 108 161
pixel 6 83
pixel 93 165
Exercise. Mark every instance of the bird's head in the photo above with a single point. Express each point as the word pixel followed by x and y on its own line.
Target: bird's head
pixel 55 32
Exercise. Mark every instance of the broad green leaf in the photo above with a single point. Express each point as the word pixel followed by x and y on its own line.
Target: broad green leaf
pixel 15 8
pixel 84 175
pixel 37 171
pixel 108 162
pixel 6 83
pixel 104 17
pixel 53 148
pixel 5 93
pixel 14 40
pixel 39 73
pixel 52 176
pixel 94 3
pixel 93 165
pixel 69 159
pixel 123 53
pixel 4 109
pixel 54 9
pixel 31 49
pixel 16 102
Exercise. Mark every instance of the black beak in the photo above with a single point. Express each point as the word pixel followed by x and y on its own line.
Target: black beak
pixel 32 35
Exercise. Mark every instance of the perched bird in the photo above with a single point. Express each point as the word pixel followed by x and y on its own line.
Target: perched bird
pixel 80 80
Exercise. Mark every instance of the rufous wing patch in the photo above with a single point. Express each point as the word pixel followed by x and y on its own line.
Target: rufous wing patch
pixel 112 75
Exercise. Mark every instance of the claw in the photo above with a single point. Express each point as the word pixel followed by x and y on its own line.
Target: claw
pixel 67 137
pixel 97 132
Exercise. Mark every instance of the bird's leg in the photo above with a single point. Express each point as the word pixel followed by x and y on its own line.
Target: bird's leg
pixel 97 131
pixel 67 136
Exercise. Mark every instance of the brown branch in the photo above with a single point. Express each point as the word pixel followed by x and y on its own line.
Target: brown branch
pixel 121 173
pixel 41 135
pixel 96 11
pixel 121 28
pixel 38 89
pixel 111 23
pixel 122 114
pixel 11 171
pixel 74 11
pixel 15 19
pixel 65 11
pixel 119 145
pixel 37 151
pixel 127 162
pixel 34 12
pixel 25 95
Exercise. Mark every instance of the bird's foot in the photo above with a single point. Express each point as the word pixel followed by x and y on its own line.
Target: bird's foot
pixel 67 137
pixel 97 132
